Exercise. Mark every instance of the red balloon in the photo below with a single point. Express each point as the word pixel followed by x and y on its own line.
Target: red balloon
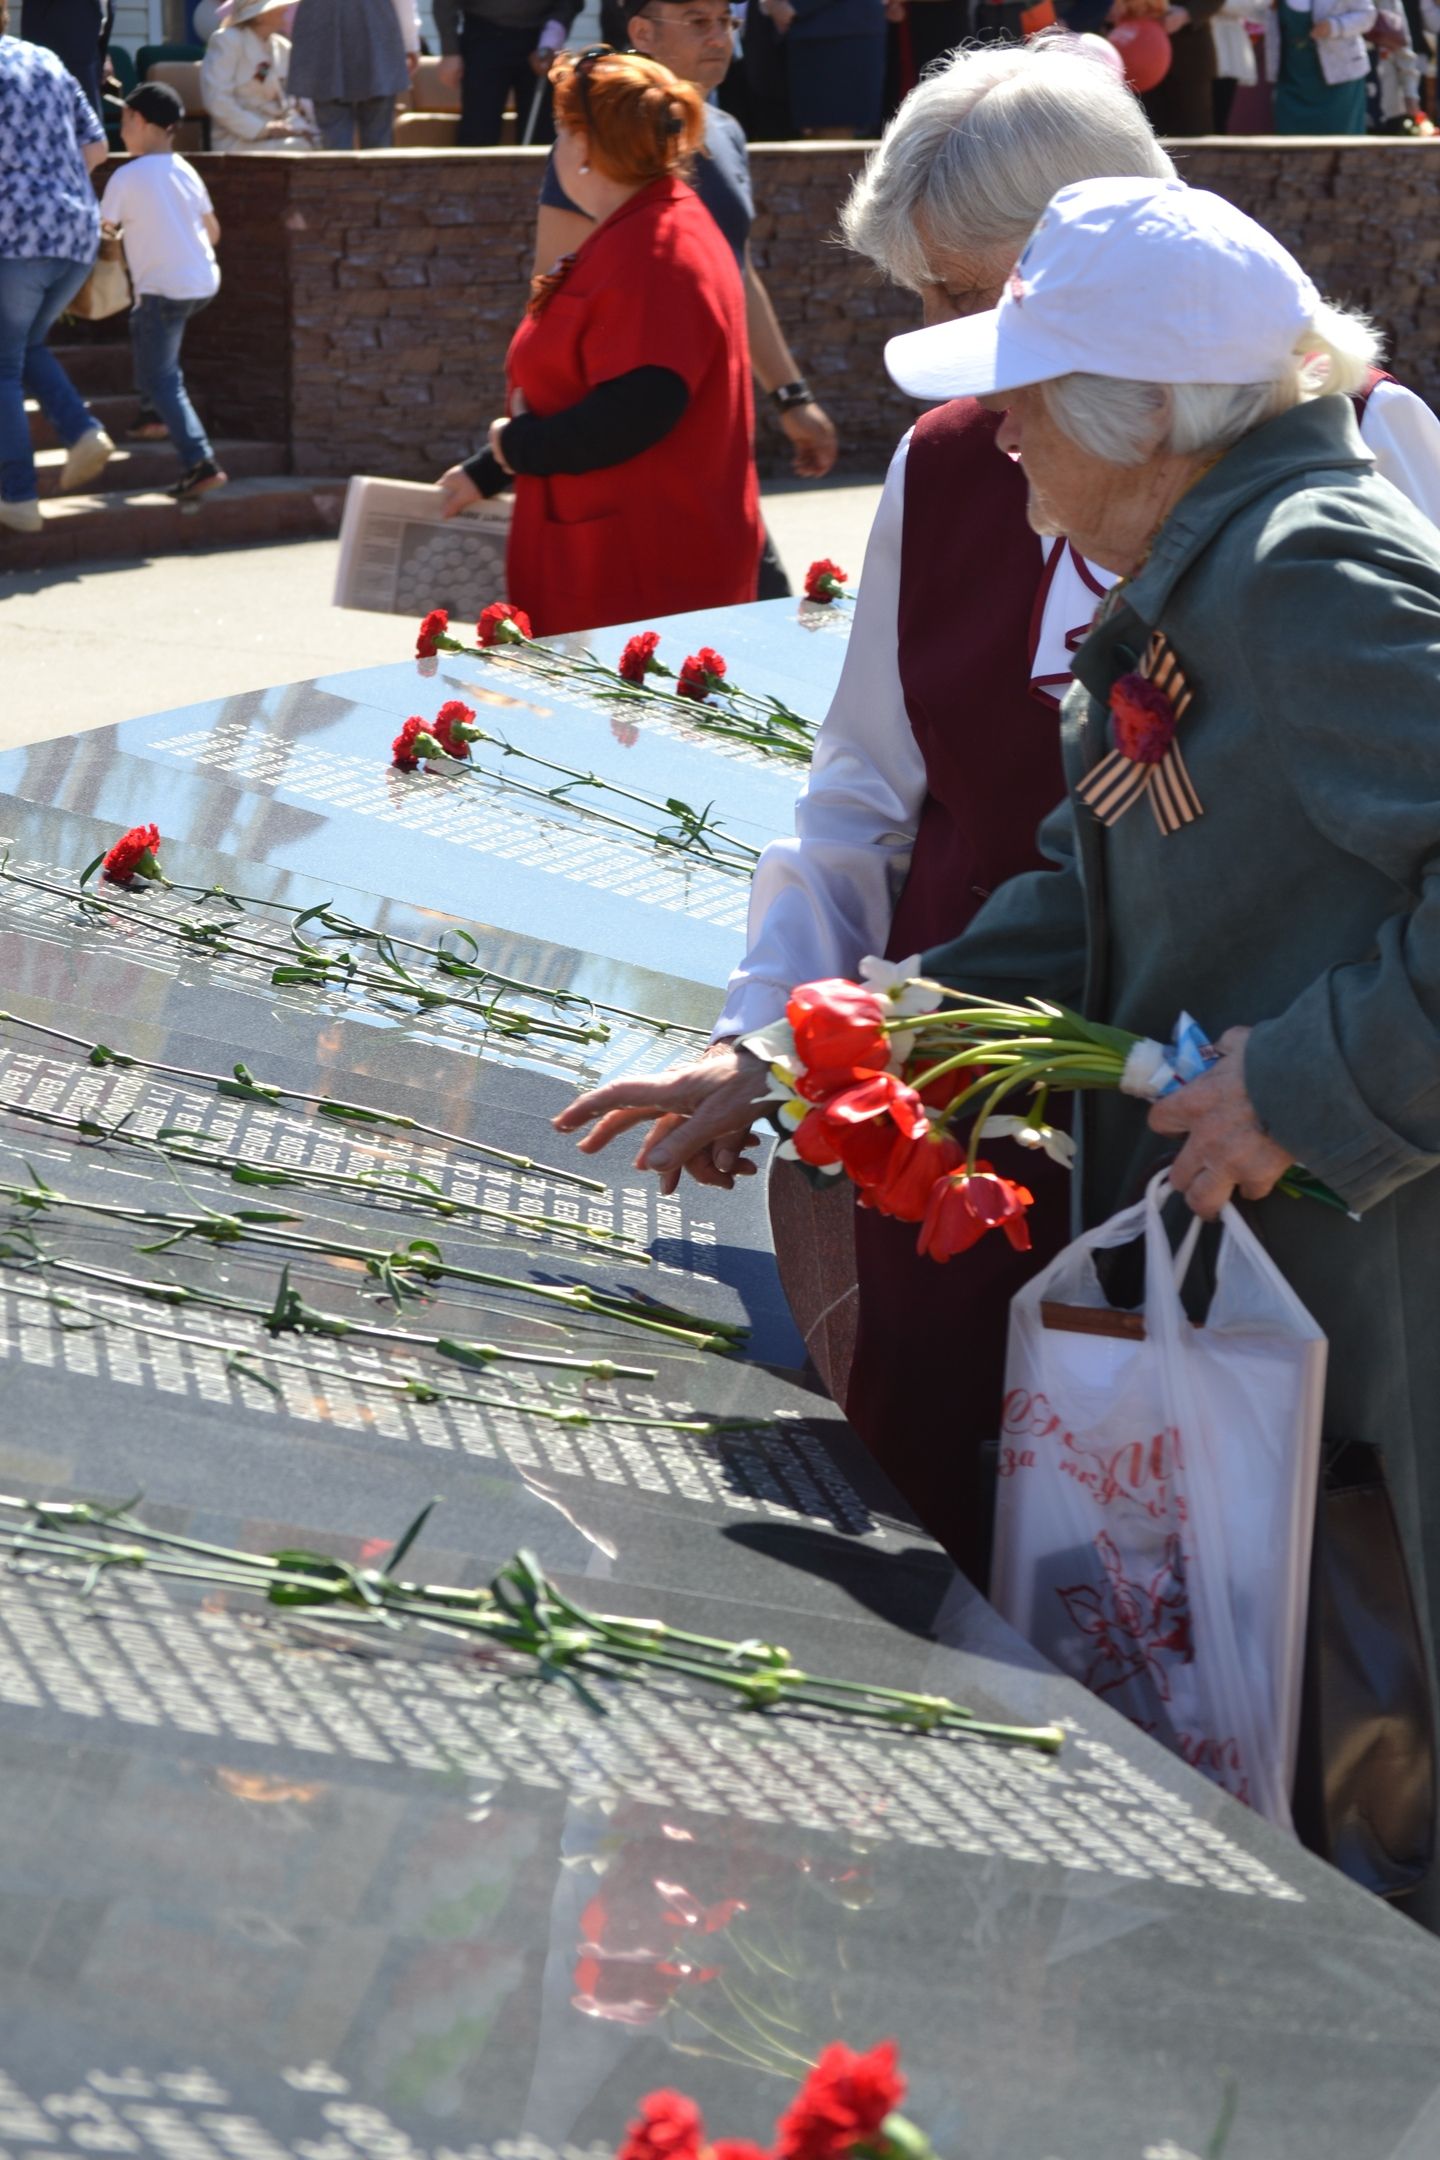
pixel 1145 49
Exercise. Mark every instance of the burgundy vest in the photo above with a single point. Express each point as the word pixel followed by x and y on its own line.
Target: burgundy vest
pixel 926 1381
pixel 969 573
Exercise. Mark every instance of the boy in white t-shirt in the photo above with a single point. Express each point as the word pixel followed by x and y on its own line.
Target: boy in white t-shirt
pixel 169 228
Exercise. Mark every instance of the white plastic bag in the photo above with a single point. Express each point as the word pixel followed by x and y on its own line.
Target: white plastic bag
pixel 1157 1497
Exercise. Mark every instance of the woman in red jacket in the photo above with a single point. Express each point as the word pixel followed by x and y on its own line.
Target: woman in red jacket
pixel 628 431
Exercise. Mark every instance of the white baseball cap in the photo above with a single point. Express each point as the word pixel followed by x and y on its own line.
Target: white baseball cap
pixel 1146 280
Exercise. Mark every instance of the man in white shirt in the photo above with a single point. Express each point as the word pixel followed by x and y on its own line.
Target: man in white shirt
pixel 169 228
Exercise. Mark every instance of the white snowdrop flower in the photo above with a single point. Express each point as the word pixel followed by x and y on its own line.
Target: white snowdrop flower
pixel 901 983
pixel 1057 1145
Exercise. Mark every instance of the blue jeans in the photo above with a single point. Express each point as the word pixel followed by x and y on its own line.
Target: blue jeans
pixel 156 328
pixel 33 291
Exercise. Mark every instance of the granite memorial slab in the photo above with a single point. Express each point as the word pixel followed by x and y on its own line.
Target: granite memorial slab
pixel 278 1887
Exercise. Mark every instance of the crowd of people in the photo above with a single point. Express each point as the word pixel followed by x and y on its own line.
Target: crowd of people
pixel 330 74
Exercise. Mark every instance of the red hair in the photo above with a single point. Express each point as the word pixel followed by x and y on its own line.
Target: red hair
pixel 641 121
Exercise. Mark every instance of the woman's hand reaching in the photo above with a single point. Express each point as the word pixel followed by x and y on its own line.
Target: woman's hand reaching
pixel 703 1112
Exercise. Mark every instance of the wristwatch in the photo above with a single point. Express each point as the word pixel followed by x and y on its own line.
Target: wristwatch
pixel 792 393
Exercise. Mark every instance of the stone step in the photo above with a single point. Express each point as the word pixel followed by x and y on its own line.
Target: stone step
pixel 139 467
pixel 93 528
pixel 115 411
pixel 98 369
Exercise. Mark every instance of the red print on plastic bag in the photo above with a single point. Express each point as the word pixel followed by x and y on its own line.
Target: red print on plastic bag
pixel 1135 1627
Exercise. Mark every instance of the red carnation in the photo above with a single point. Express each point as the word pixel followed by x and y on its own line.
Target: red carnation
pixel 824 581
pixel 638 659
pixel 668 2127
pixel 737 2149
pixel 501 624
pixel 132 854
pixel 915 1163
pixel 703 672
pixel 1144 719
pixel 966 1204
pixel 838 1034
pixel 445 727
pixel 435 626
pixel 842 2103
pixel 414 742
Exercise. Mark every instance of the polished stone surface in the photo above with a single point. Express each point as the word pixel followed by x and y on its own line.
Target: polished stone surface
pixel 263 1892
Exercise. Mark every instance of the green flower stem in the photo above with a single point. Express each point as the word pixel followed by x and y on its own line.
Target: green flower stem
pixel 267 1228
pixel 248 1089
pixel 277 1317
pixel 763 722
pixel 522 1610
pixel 413 1387
pixel 221 939
pixel 696 823
pixel 368 1184
pixel 342 926
pixel 682 843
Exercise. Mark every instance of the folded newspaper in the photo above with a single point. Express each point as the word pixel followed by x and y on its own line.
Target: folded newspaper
pixel 398 556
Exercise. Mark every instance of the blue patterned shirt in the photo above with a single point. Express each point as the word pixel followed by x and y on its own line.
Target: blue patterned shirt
pixel 47 205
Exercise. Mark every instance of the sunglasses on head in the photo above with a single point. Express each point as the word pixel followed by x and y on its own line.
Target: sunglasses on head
pixel 584 69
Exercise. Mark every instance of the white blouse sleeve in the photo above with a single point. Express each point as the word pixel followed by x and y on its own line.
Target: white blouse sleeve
pixel 822 901
pixel 1404 436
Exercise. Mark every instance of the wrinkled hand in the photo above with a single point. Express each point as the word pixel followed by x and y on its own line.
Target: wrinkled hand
pixel 274 128
pixel 1226 1146
pixel 812 431
pixel 458 490
pixel 781 15
pixel 704 1113
pixel 497 429
pixel 451 71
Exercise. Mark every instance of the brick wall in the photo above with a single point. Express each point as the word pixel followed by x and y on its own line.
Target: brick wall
pixel 367 301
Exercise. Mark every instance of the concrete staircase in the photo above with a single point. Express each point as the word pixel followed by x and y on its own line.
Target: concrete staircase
pixel 126 514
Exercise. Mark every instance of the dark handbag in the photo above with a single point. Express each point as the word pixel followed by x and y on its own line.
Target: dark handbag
pixel 1365 1787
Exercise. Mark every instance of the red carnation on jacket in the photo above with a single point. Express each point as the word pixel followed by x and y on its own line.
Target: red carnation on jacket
pixel 703 672
pixel 435 626
pixel 668 2127
pixel 134 852
pixel 452 716
pixel 825 581
pixel 842 2103
pixel 1144 719
pixel 494 628
pixel 638 659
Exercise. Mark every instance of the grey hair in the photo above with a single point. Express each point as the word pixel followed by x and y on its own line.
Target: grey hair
pixel 980 146
pixel 1127 422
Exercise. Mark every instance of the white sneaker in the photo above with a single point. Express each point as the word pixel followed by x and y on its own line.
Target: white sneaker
pixel 87 457
pixel 22 516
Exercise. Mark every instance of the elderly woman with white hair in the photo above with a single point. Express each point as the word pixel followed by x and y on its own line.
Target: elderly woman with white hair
pixel 940 753
pixel 1175 391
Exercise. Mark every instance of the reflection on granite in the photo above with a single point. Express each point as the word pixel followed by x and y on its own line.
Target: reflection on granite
pixel 267 1890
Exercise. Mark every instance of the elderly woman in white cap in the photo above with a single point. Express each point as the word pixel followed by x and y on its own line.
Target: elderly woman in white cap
pixel 1173 387
pixel 940 754
pixel 244 83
